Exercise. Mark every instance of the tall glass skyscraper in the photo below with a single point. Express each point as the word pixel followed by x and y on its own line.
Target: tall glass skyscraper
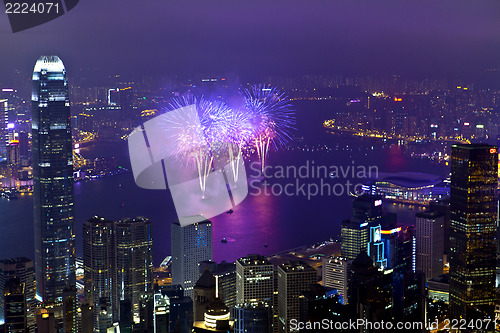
pixel 191 245
pixel 52 180
pixel 99 265
pixel 134 261
pixel 473 214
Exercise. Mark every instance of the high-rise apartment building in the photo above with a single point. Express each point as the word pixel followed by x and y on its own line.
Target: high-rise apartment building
pixel 52 180
pixel 191 245
pixel 430 247
pixel 473 215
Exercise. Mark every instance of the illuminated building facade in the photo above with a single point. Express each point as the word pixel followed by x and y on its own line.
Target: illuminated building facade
pixel 354 238
pixel 473 214
pixel 191 245
pixel 23 269
pixel 335 275
pixel 134 261
pixel 15 306
pixel 252 318
pixel 430 247
pixel 409 187
pixel 355 232
pixel 99 264
pixel 294 278
pixel 52 180
pixel 254 280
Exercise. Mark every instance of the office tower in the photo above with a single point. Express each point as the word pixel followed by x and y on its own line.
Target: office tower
pixel 367 208
pixel 23 138
pixel 134 261
pixel 252 318
pixel 181 314
pixel 443 207
pixel 409 296
pixel 104 316
pixel 52 180
pixel 99 264
pixel 320 303
pixel 191 245
pixel 473 215
pixel 204 292
pixel 70 322
pixel 354 238
pixel 15 306
pixel 165 312
pixel 23 269
pixel 254 280
pixel 335 273
pixel 13 155
pixel 118 266
pixel 370 290
pixel 226 275
pixel 294 278
pixel 399 248
pixel 161 313
pixel 429 234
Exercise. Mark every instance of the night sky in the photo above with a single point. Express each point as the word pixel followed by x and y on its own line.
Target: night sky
pixel 432 38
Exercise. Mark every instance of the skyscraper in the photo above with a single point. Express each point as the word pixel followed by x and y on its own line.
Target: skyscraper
pixel 335 275
pixel 99 264
pixel 134 261
pixel 473 213
pixel 355 232
pixel 354 238
pixel 294 278
pixel 118 265
pixel 52 180
pixel 191 245
pixel 370 290
pixel 21 268
pixel 15 306
pixel 430 229
pixel 254 280
pixel 252 318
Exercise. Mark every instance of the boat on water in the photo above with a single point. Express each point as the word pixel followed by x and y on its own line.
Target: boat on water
pixel 223 240
pixel 9 195
pixel 230 211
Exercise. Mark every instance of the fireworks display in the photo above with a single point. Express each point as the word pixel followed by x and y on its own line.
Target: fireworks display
pixel 264 121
